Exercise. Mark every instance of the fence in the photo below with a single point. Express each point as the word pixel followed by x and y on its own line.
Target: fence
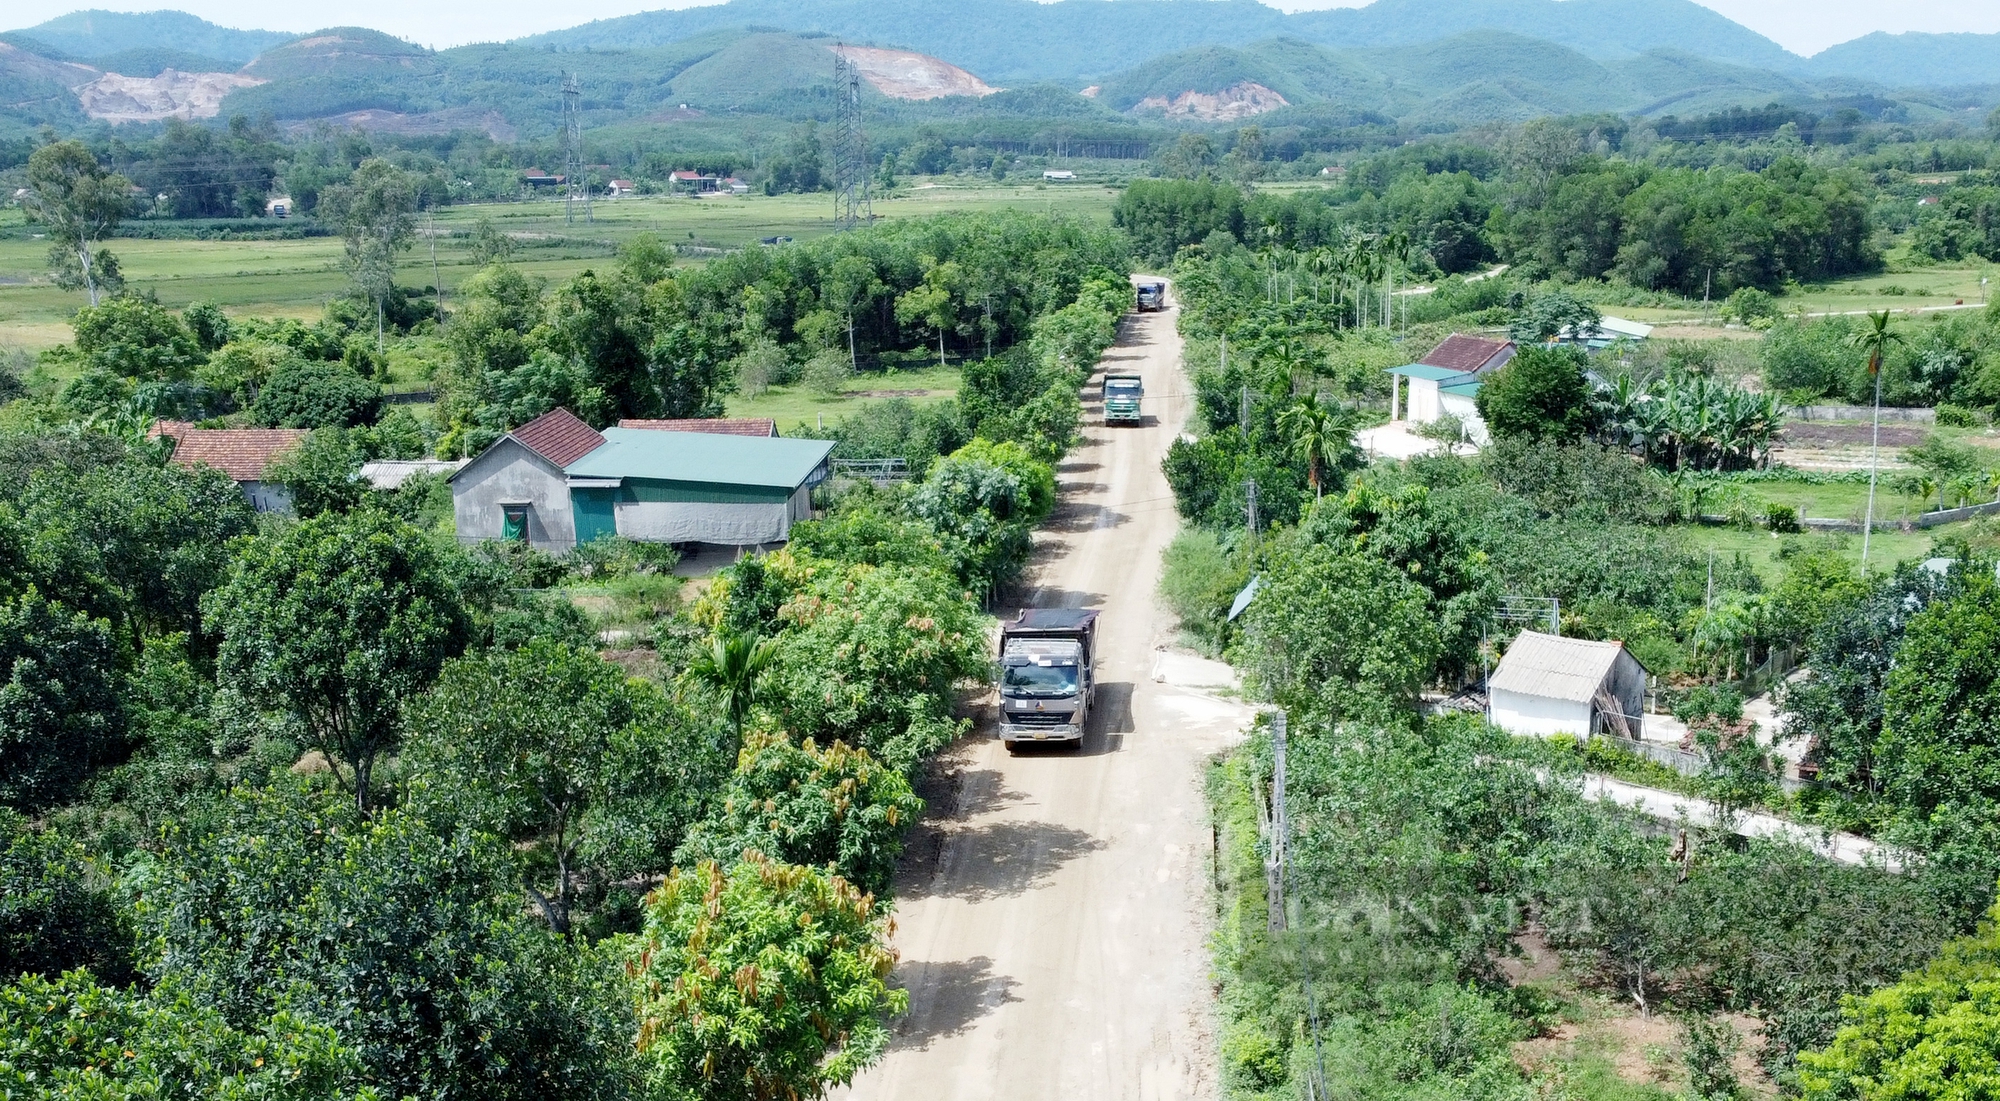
pixel 1923 522
pixel 1860 413
pixel 875 470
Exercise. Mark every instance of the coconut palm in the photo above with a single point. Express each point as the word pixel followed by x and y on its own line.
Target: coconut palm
pixel 1875 339
pixel 1319 434
pixel 730 664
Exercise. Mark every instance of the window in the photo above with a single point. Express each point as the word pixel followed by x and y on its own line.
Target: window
pixel 514 523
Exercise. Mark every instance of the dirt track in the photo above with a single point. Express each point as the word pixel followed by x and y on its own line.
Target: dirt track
pixel 1053 912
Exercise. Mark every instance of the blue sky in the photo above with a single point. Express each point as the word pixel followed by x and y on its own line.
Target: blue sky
pixel 1803 26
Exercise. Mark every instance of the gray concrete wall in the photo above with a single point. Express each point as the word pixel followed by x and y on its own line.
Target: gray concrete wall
pixel 508 472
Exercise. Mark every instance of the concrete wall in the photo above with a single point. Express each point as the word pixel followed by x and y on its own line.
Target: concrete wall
pixel 1466 410
pixel 507 473
pixel 1423 401
pixel 266 496
pixel 1520 714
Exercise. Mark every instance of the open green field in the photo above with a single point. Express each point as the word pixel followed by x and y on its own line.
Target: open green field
pixel 792 406
pixel 296 278
pixel 1760 548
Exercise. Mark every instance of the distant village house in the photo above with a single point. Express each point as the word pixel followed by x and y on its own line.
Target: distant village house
pixel 244 454
pixel 1547 684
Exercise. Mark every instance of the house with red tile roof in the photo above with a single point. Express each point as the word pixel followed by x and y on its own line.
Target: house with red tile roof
pixel 721 426
pixel 1470 355
pixel 555 482
pixel 245 454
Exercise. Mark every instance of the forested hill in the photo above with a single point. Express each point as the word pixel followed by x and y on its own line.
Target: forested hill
pixel 89 36
pixel 1021 40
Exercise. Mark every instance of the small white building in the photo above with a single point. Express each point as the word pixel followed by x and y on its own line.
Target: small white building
pixel 1547 684
pixel 1058 174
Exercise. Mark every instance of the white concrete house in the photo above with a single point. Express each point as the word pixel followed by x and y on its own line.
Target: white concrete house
pixel 1547 684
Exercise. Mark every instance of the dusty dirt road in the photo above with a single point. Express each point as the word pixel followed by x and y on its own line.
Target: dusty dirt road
pixel 1053 912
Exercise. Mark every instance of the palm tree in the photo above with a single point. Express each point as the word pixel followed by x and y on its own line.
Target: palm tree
pixel 1319 435
pixel 1875 339
pixel 731 663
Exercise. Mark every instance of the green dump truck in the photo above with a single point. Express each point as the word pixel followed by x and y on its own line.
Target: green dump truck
pixel 1121 399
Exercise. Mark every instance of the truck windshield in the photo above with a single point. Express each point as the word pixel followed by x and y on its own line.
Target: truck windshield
pixel 1122 387
pixel 1040 680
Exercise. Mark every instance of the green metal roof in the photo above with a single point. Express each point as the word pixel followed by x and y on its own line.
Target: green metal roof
pixel 769 462
pixel 1428 372
pixel 1464 389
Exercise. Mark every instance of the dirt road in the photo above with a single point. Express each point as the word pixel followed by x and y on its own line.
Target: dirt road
pixel 1053 913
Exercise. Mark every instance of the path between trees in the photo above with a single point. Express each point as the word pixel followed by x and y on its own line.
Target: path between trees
pixel 1053 915
pixel 1672 806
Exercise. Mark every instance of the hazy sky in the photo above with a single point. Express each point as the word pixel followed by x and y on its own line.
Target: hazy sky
pixel 1803 26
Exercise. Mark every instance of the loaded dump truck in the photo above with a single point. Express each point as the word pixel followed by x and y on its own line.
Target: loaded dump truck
pixel 1152 297
pixel 1121 399
pixel 1046 677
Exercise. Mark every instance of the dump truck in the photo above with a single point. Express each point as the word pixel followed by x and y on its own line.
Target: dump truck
pixel 1047 675
pixel 1152 296
pixel 1121 399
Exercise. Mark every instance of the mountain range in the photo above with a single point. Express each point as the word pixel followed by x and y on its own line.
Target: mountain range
pixel 1415 63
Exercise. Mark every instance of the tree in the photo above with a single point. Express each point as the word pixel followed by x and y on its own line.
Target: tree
pixel 338 621
pixel 68 1036
pixel 321 475
pixel 1941 702
pixel 1541 394
pixel 407 942
pixel 730 665
pixel 310 393
pixel 985 498
pixel 1322 437
pixel 56 914
pixel 762 980
pixel 136 339
pixel 69 192
pixel 590 774
pixel 1876 339
pixel 60 713
pixel 375 211
pixel 1935 1034
pixel 933 304
pixel 1554 315
pixel 836 808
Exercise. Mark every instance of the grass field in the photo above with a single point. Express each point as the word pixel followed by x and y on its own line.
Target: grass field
pixel 793 406
pixel 296 278
pixel 1760 548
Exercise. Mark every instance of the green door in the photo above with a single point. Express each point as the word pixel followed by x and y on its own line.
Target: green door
pixel 593 512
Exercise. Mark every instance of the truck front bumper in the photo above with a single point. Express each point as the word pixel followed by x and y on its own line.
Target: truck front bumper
pixel 1040 732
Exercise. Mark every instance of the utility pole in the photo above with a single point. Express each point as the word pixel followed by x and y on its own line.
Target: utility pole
pixel 1250 507
pixel 1274 865
pixel 850 146
pixel 573 186
pixel 1243 411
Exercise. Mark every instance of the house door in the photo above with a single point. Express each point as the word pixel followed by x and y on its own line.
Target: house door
pixel 595 513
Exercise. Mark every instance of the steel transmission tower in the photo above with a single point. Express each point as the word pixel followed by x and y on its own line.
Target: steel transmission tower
pixel 573 185
pixel 850 146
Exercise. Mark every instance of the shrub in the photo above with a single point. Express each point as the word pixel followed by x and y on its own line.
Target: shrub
pixel 1956 416
pixel 1781 518
pixel 315 394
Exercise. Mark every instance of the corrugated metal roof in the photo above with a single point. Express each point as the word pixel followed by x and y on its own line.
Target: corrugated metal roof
pixel 703 457
pixel 1470 354
pixel 391 473
pixel 558 436
pixel 721 426
pixel 1555 668
pixel 1430 372
pixel 1465 389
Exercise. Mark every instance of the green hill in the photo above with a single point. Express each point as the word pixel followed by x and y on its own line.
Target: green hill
pixel 86 35
pixel 1934 59
pixel 152 60
pixel 341 51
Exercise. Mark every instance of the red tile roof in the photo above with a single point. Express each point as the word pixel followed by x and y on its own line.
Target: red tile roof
pixel 559 437
pixel 1470 354
pixel 241 453
pixel 716 426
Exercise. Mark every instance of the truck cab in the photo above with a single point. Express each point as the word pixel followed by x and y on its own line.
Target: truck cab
pixel 1046 675
pixel 1152 297
pixel 1122 394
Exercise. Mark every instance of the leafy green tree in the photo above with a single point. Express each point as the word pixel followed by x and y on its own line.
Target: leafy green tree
pixel 1935 1034
pixel 209 326
pixel 985 499
pixel 338 621
pixel 588 773
pixel 136 339
pixel 408 943
pixel 1335 633
pixel 375 211
pixel 322 474
pixel 1941 701
pixel 1164 216
pixel 56 910
pixel 1553 315
pixel 80 203
pixel 60 712
pixel 934 303
pixel 1541 394
pixel 305 393
pixel 761 980
pixel 71 1037
pixel 835 808
pixel 871 656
